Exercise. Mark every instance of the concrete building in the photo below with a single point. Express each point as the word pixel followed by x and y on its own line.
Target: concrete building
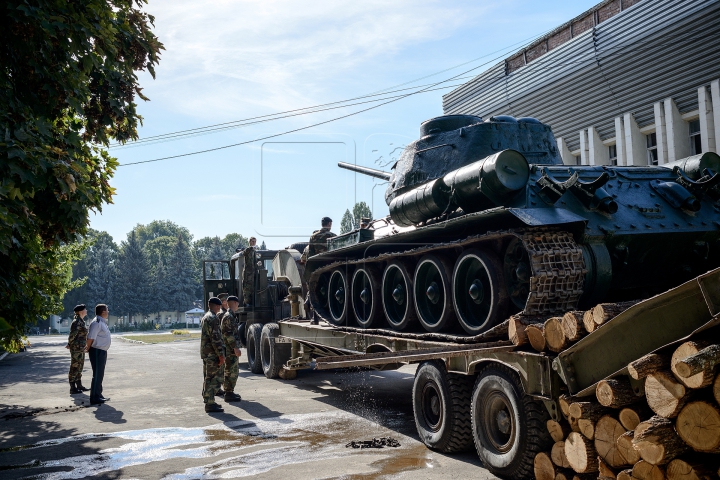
pixel 629 82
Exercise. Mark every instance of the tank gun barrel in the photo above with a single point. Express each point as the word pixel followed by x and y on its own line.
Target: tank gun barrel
pixel 365 171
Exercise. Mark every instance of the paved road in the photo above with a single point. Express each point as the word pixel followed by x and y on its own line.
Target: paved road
pixel 155 425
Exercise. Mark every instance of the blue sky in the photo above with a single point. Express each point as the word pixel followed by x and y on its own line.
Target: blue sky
pixel 231 60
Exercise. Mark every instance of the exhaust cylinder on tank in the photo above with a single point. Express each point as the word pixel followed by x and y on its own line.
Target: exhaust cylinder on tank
pixel 482 184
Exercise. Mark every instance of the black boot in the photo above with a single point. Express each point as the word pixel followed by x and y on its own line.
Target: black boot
pixel 220 393
pixel 73 389
pixel 232 397
pixel 80 387
pixel 213 407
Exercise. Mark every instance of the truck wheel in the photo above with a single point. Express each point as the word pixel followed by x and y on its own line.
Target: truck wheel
pixel 253 348
pixel 508 426
pixel 273 355
pixel 441 404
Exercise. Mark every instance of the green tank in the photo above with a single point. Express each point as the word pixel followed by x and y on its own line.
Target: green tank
pixel 486 221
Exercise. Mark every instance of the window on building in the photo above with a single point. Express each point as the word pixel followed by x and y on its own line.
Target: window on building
pixel 612 151
pixel 695 139
pixel 652 151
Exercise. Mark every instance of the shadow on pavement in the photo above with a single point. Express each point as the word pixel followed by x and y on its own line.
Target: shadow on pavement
pixel 106 413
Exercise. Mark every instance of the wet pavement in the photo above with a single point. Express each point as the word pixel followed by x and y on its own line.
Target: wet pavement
pixel 155 427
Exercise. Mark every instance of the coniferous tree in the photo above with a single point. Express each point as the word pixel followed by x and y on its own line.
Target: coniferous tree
pixel 133 289
pixel 360 210
pixel 182 284
pixel 263 246
pixel 160 288
pixel 347 222
pixel 101 277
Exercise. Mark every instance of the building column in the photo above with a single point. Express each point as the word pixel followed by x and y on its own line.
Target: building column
pixel 620 141
pixel 707 123
pixel 635 144
pixel 599 154
pixel 584 153
pixel 661 133
pixel 678 135
pixel 715 96
pixel 567 157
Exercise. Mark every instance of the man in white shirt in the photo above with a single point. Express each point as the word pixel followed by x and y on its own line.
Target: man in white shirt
pixel 98 343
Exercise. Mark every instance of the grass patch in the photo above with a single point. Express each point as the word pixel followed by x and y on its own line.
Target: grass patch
pixel 180 332
pixel 162 338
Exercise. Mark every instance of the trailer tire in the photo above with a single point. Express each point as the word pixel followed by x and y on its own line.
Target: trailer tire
pixel 441 406
pixel 273 355
pixel 508 426
pixel 253 348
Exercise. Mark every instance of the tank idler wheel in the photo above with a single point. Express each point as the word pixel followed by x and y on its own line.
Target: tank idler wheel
pixel 432 293
pixel 479 294
pixel 397 296
pixel 365 295
pixel 321 291
pixel 338 297
pixel 509 427
pixel 253 348
pixel 273 355
pixel 441 406
pixel 517 272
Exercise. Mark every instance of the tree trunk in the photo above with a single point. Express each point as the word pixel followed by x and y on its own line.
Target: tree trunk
pixel 536 336
pixel 580 453
pixel 498 331
pixel 588 322
pixel 625 475
pixel 657 442
pixel 643 470
pixel 557 455
pixel 630 416
pixel 665 395
pixel 650 363
pixel 604 469
pixel 516 328
pixel 701 379
pixel 589 410
pixel 626 448
pixel 558 430
pixel 544 468
pixel 555 335
pixel 681 469
pixel 607 431
pixel 606 311
pixel 615 393
pixel 573 327
pixel 698 424
pixel 706 359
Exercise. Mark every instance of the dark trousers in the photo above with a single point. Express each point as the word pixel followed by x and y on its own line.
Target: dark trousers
pixel 98 358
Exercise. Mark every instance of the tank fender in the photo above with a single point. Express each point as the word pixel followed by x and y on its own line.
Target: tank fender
pixel 534 217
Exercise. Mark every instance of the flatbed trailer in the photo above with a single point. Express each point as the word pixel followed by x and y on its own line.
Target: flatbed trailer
pixel 490 394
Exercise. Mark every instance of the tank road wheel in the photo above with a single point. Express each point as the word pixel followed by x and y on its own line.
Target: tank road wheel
pixel 508 426
pixel 253 348
pixel 365 295
pixel 321 291
pixel 338 297
pixel 441 405
pixel 397 296
pixel 273 355
pixel 431 291
pixel 479 292
pixel 517 272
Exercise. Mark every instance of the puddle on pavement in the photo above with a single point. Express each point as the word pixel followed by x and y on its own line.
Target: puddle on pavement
pixel 236 449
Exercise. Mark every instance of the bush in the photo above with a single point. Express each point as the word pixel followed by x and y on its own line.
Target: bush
pixel 145 326
pixel 54 330
pixel 181 332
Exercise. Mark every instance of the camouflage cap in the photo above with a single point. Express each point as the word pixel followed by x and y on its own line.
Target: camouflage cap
pixel 233 298
pixel 79 308
pixel 223 296
pixel 215 301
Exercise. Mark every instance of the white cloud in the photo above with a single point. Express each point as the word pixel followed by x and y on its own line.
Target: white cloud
pixel 230 57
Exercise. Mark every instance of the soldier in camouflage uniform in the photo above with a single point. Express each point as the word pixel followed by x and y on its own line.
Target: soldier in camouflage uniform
pixel 213 355
pixel 229 326
pixel 76 345
pixel 316 245
pixel 248 279
pixel 223 298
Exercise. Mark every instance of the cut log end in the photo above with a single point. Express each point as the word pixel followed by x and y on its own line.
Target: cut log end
pixel 615 393
pixel 664 394
pixel 555 336
pixel 543 467
pixel 572 323
pixel 557 455
pixel 657 442
pixel 644 366
pixel 558 430
pixel 580 453
pixel 630 416
pixel 536 336
pixel 627 450
pixel 698 424
pixel 607 432
pixel 643 470
pixel 691 349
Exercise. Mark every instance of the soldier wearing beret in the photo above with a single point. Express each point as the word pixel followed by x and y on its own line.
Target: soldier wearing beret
pixel 224 299
pixel 76 345
pixel 229 326
pixel 212 354
pixel 248 278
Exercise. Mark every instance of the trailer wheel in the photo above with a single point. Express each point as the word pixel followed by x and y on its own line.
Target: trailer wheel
pixel 253 348
pixel 508 426
pixel 441 404
pixel 273 355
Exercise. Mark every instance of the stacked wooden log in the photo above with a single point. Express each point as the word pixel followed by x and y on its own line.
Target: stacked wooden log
pixel 660 421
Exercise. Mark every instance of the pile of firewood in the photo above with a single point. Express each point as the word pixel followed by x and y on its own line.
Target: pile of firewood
pixel 666 424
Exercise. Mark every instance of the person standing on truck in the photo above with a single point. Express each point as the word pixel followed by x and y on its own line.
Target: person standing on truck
pixel 76 345
pixel 248 278
pixel 317 244
pixel 212 354
pixel 229 327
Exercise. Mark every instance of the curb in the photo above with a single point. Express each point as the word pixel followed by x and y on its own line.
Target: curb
pixel 3 355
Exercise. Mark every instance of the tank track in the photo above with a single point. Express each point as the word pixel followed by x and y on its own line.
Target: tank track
pixel 557 265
